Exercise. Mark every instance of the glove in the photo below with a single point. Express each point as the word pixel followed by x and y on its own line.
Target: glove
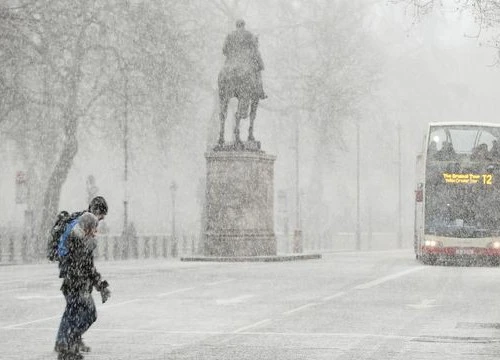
pixel 105 294
pixel 102 287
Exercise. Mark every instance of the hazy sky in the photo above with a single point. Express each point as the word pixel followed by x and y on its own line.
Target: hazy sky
pixel 432 70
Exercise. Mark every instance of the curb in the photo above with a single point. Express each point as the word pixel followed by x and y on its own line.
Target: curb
pixel 273 258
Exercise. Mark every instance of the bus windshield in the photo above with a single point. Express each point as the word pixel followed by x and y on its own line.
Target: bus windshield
pixel 462 181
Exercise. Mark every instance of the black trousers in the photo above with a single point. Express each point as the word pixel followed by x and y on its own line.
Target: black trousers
pixel 79 314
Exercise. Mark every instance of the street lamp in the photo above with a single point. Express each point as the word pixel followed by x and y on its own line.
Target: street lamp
pixel 297 234
pixel 298 246
pixel 173 190
pixel 400 206
pixel 358 180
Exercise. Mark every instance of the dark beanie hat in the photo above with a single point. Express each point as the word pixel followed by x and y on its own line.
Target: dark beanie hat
pixel 98 206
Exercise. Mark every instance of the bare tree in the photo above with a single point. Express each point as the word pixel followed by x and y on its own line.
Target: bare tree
pixel 330 66
pixel 64 59
pixel 485 12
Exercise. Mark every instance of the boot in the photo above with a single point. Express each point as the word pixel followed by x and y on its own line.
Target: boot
pixel 69 354
pixel 81 346
pixel 60 348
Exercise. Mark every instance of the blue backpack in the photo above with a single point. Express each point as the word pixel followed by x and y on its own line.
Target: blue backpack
pixel 57 245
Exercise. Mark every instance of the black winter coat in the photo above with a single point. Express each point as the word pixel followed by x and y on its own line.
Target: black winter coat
pixel 77 268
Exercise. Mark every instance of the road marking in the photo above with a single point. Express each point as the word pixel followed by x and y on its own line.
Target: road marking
pixel 131 331
pixel 424 304
pixel 300 308
pixel 175 291
pixel 347 335
pixel 27 280
pixel 239 333
pixel 104 306
pixel 220 282
pixel 384 279
pixel 13 290
pixel 31 322
pixel 235 300
pixel 37 296
pixel 339 294
pixel 259 323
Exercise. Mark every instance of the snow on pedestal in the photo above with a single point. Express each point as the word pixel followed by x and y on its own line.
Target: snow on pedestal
pixel 240 200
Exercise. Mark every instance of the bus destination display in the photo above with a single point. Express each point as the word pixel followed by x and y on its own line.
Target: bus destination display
pixel 452 178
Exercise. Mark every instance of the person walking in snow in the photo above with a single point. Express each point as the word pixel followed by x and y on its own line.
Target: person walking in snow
pixel 79 278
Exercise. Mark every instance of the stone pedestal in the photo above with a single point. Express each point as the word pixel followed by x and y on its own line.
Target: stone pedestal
pixel 240 196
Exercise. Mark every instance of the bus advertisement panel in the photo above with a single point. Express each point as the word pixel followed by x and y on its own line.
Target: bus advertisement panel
pixel 457 202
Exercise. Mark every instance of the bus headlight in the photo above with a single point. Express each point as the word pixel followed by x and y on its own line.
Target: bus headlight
pixel 431 243
pixel 494 245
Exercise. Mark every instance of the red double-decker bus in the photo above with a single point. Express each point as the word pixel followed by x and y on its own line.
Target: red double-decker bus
pixel 457 198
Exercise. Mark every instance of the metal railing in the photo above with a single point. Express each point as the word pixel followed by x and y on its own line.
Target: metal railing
pixel 19 248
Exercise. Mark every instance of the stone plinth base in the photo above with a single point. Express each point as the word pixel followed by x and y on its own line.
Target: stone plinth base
pixel 240 196
pixel 241 244
pixel 272 258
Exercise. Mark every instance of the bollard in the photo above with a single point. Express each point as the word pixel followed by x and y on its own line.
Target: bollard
pixel 11 249
pixel 134 243
pixel 125 246
pixel 297 241
pixel 24 249
pixel 164 247
pixel 184 244
pixel 116 248
pixel 106 249
pixel 174 250
pixel 147 249
pixel 155 247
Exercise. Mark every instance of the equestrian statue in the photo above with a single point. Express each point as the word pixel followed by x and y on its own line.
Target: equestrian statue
pixel 240 78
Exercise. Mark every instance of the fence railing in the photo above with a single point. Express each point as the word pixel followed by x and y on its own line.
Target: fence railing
pixel 19 248
pixel 23 249
pixel 117 247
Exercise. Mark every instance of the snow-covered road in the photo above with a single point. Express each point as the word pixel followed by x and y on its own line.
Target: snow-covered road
pixel 366 305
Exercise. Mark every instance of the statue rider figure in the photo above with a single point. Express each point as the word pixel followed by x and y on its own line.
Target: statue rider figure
pixel 241 48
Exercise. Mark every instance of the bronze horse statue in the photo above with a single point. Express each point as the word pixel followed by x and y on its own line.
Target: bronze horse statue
pixel 238 81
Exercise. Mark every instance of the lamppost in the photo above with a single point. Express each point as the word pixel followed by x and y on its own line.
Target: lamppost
pixel 297 234
pixel 298 246
pixel 400 206
pixel 173 190
pixel 358 180
pixel 125 156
